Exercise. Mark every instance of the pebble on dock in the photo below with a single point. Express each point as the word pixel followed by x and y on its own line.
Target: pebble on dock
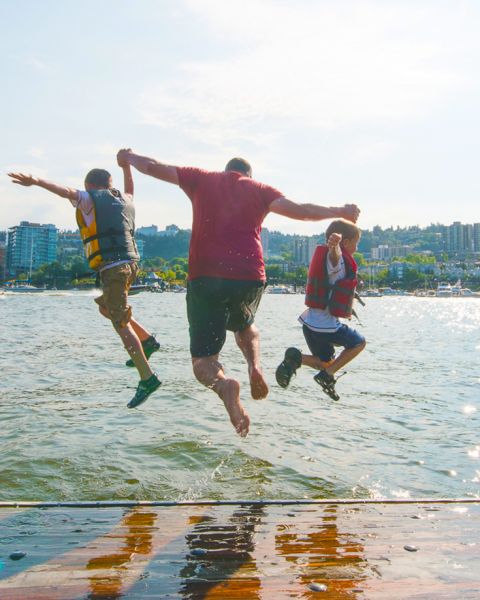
pixel 318 587
pixel 410 548
pixel 17 555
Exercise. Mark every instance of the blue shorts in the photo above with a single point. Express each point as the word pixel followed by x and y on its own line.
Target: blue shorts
pixel 323 344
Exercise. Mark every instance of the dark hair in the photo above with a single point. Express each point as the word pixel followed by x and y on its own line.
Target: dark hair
pixel 347 229
pixel 239 164
pixel 98 177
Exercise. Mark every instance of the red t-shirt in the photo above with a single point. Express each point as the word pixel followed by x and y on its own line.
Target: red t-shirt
pixel 228 211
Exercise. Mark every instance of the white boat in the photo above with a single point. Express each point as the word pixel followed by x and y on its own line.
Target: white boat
pixel 371 293
pixel 444 290
pixel 136 289
pixel 156 287
pixel 279 289
pixel 24 288
pixel 467 293
pixel 457 289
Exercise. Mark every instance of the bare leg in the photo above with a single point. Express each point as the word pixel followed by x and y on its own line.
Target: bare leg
pixel 133 346
pixel 104 312
pixel 344 357
pixel 314 362
pixel 141 332
pixel 248 340
pixel 209 372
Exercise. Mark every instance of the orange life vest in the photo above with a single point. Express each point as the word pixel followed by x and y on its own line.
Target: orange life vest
pixel 320 293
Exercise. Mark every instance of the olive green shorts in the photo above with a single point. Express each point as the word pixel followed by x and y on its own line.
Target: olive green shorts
pixel 116 282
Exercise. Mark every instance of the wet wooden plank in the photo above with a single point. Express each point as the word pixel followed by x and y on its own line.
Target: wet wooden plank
pixel 241 552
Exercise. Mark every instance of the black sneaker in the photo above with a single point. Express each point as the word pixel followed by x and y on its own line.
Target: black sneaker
pixel 288 367
pixel 327 382
pixel 144 389
pixel 150 345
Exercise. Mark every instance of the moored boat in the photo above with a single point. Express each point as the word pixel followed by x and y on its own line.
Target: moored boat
pixel 136 289
pixel 279 289
pixel 371 293
pixel 444 290
pixel 23 288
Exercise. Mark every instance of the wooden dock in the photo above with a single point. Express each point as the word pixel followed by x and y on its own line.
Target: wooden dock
pixel 326 549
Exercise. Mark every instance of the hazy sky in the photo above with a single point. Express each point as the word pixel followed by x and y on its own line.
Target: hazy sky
pixel 373 102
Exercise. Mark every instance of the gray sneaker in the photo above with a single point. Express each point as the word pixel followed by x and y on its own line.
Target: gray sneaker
pixel 144 389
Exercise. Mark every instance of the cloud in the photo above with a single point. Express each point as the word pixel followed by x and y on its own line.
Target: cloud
pixel 318 66
pixel 25 168
pixel 104 150
pixel 98 154
pixel 36 63
pixel 36 152
pixel 369 150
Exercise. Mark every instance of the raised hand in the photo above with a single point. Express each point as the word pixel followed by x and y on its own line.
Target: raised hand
pixel 334 240
pixel 122 157
pixel 351 212
pixel 22 179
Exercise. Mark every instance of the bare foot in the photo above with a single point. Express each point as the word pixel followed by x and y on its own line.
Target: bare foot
pixel 229 392
pixel 258 385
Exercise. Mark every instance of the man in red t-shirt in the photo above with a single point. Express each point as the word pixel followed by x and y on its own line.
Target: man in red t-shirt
pixel 226 272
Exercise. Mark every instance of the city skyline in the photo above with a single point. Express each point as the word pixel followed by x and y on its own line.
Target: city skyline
pixel 32 246
pixel 155 228
pixel 372 102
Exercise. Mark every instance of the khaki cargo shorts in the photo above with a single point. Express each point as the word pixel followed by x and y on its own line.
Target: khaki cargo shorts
pixel 116 282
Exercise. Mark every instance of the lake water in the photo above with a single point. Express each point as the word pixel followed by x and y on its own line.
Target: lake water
pixel 407 424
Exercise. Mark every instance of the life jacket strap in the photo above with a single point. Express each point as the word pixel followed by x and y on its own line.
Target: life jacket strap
pixel 99 252
pixel 97 236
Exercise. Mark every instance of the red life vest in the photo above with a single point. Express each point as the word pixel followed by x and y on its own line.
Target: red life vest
pixel 320 293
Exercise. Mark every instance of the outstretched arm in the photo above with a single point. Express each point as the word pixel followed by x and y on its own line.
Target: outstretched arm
pixel 148 166
pixel 28 180
pixel 313 212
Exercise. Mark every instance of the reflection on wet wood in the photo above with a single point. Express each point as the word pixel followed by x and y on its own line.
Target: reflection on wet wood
pixel 241 552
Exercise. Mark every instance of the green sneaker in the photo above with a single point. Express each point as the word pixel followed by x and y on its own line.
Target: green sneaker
pixel 144 389
pixel 150 345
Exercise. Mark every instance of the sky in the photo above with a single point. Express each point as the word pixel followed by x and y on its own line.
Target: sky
pixel 332 101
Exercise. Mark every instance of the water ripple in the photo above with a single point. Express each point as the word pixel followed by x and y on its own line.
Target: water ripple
pixel 406 424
